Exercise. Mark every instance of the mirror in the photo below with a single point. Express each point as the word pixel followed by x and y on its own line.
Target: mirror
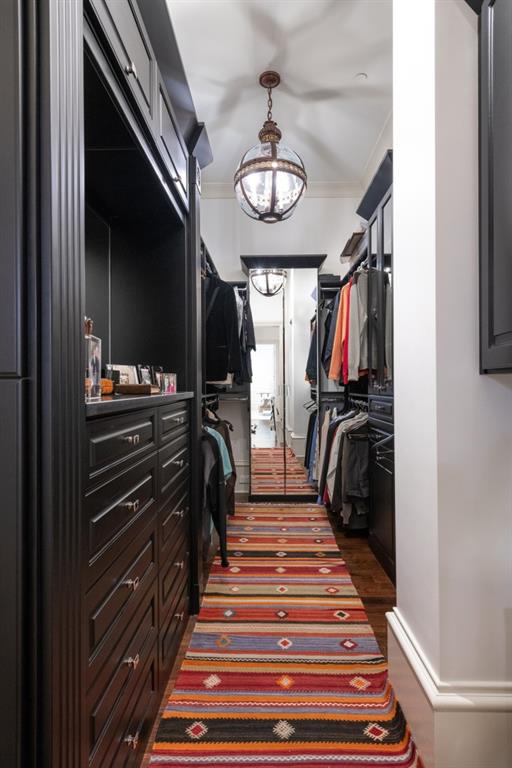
pixel 281 405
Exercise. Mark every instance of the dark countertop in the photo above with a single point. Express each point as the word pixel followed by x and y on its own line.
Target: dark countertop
pixel 123 403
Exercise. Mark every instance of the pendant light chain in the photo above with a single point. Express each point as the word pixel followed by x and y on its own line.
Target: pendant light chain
pixel 269 103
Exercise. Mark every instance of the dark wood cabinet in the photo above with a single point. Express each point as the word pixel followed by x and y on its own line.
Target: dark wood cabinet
pixel 97 215
pixel 495 186
pixel 137 570
pixel 381 529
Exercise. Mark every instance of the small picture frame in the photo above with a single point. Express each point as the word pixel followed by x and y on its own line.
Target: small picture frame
pixel 155 371
pixel 127 373
pixel 92 369
pixel 170 383
pixel 144 374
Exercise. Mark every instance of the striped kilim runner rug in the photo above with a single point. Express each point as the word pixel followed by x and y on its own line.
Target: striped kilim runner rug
pixel 268 472
pixel 283 668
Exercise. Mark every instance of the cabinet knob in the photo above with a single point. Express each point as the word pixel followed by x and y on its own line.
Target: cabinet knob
pixel 132 584
pixel 132 439
pixel 179 616
pixel 133 506
pixel 130 69
pixel 180 565
pixel 181 513
pixel 132 661
pixel 132 741
pixel 179 419
pixel 179 462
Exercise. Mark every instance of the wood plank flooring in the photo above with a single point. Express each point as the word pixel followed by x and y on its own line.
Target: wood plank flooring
pixel 371 581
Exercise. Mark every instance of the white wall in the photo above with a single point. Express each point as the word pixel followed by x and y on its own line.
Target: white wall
pixel 451 635
pixel 319 225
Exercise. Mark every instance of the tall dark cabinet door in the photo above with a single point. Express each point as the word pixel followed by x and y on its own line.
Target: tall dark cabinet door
pixel 496 186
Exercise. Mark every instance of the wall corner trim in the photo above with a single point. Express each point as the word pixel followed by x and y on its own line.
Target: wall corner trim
pixel 454 696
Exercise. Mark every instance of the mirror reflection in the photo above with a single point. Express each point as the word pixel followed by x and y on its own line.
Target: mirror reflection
pixel 284 370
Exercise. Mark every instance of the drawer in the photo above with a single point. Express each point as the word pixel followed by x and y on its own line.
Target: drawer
pixel 119 675
pixel 173 421
pixel 174 573
pixel 171 633
pixel 114 442
pixel 174 465
pixel 130 731
pixel 123 26
pixel 381 409
pixel 119 507
pixel 173 519
pixel 112 601
pixel 172 151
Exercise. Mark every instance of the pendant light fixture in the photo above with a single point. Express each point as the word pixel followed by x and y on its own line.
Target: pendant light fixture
pixel 271 178
pixel 268 282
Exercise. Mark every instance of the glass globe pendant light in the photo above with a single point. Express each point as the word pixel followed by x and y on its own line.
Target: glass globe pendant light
pixel 268 282
pixel 271 178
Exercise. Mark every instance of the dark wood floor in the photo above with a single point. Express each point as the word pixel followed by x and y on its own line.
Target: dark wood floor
pixel 374 587
pixel 371 581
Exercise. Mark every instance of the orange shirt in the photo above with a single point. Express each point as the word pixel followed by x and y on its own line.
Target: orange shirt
pixel 336 368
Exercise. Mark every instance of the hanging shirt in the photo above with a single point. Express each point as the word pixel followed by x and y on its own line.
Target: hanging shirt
pixel 224 453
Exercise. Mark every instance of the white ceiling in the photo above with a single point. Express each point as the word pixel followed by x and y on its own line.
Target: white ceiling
pixel 327 115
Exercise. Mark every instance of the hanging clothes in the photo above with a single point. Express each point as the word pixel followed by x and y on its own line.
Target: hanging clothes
pixel 222 342
pixel 340 335
pixel 247 342
pixel 214 489
pixel 311 367
pixel 223 428
pixel 331 315
pixel 309 439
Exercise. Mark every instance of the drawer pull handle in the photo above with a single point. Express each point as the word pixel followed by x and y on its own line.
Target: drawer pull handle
pixel 179 616
pixel 130 69
pixel 180 565
pixel 179 419
pixel 179 462
pixel 181 513
pixel 132 661
pixel 132 439
pixel 133 506
pixel 132 584
pixel 132 741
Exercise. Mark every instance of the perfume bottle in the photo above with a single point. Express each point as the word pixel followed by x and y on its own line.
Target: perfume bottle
pixel 92 363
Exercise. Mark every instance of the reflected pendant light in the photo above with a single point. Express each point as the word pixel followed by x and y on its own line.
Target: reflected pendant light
pixel 268 282
pixel 271 179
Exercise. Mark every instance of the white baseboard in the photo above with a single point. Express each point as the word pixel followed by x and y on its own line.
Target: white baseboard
pixel 456 724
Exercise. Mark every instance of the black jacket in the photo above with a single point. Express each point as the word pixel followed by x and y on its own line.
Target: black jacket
pixel 223 353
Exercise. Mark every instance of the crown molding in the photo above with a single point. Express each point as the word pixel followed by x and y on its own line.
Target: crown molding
pixel 224 190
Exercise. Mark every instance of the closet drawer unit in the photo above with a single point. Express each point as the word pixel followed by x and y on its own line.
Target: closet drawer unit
pixel 123 26
pixel 172 151
pixel 110 604
pixel 174 573
pixel 116 511
pixel 380 409
pixel 114 442
pixel 171 633
pixel 173 519
pixel 174 465
pixel 130 728
pixel 173 421
pixel 113 687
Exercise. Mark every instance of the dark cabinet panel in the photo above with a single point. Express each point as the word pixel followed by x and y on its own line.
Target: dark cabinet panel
pixel 173 421
pixel 172 151
pixel 10 190
pixel 123 26
pixel 11 567
pixel 495 186
pixel 382 495
pixel 113 686
pixel 116 441
pixel 116 512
